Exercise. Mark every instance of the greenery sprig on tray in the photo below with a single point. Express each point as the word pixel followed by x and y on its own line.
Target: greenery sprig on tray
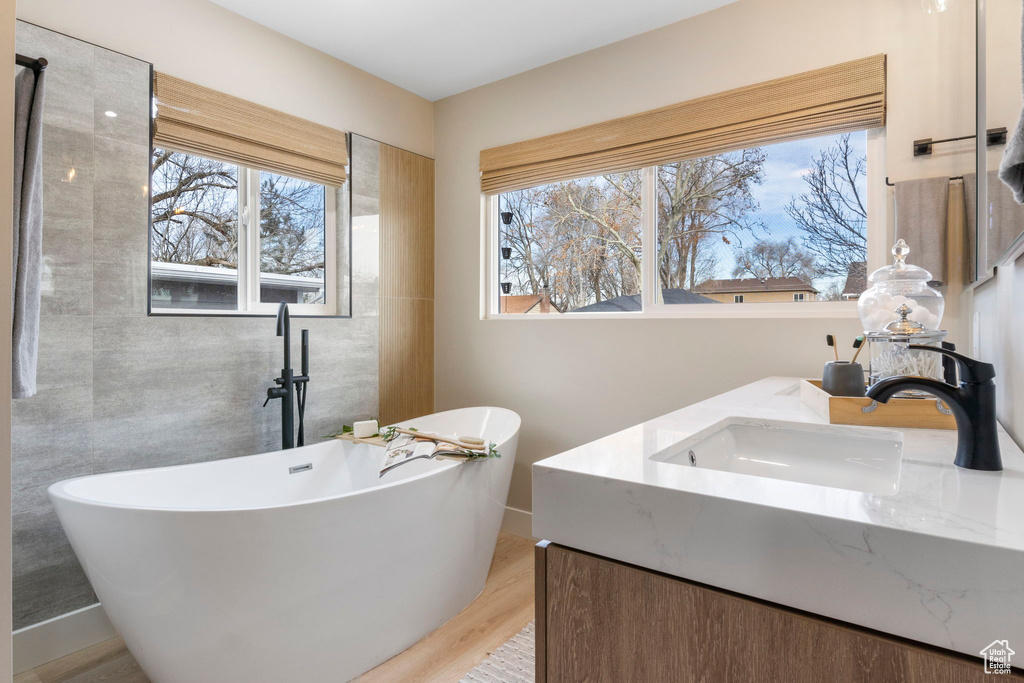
pixel 391 433
pixel 491 451
pixel 345 429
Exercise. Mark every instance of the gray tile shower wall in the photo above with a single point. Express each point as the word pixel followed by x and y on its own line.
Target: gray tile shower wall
pixel 119 389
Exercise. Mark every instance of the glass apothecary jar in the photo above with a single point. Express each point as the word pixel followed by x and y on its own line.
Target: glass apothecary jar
pixel 891 355
pixel 898 310
pixel 897 285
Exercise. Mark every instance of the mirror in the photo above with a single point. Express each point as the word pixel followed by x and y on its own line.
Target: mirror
pixel 1002 218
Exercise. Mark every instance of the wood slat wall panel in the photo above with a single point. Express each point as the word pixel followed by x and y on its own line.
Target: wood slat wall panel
pixel 406 285
pixel 608 621
pixel 406 224
pixel 406 358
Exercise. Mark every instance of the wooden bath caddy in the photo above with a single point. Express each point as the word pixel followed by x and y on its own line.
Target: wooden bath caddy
pixel 913 413
pixel 377 441
pixel 372 441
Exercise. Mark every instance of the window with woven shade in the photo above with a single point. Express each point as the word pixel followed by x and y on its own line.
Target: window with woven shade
pixel 841 98
pixel 757 195
pixel 248 207
pixel 192 118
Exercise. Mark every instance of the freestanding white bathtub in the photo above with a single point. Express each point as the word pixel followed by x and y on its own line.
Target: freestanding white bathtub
pixel 239 571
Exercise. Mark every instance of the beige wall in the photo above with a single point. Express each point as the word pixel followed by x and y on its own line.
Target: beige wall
pixel 575 380
pixel 207 44
pixel 6 215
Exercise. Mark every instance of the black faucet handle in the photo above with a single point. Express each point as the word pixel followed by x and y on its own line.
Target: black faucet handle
pixel 305 353
pixel 972 371
pixel 275 392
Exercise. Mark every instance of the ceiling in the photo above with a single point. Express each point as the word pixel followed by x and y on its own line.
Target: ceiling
pixel 437 48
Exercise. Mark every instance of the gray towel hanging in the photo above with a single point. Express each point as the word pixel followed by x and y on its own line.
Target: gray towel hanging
pixel 28 229
pixel 921 220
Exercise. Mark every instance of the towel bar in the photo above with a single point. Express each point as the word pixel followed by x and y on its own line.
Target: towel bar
pixel 952 177
pixel 36 65
pixel 993 136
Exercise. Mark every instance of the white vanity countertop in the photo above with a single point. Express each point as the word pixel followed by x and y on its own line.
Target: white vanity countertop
pixel 939 561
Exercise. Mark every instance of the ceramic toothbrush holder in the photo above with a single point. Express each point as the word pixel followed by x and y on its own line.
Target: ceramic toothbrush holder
pixel 843 378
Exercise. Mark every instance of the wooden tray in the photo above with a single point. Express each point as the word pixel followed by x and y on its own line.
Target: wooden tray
pixel 377 441
pixel 372 441
pixel 914 413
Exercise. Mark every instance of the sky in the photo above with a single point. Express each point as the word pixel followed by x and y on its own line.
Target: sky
pixel 784 169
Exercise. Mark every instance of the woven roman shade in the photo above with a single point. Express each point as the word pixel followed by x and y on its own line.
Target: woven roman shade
pixel 191 118
pixel 835 99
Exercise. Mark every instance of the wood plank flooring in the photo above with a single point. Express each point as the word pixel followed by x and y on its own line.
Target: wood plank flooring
pixel 447 654
pixel 501 611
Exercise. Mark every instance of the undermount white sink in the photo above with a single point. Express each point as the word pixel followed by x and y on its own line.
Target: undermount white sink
pixel 853 458
pixel 873 527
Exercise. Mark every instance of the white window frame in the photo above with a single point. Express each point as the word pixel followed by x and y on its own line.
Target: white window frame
pixel 879 240
pixel 248 288
pixel 737 298
pixel 799 296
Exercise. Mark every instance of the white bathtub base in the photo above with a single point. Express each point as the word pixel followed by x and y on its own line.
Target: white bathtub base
pixel 64 635
pixel 236 570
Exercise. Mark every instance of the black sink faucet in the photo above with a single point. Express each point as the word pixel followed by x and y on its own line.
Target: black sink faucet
pixel 973 404
pixel 289 386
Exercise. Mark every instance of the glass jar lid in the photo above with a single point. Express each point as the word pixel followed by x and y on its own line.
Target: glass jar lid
pixel 929 337
pixel 904 325
pixel 905 329
pixel 900 269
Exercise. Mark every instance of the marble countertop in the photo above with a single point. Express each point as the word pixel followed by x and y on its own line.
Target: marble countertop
pixel 940 561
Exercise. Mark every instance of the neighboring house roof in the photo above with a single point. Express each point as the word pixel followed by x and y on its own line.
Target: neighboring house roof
pixel 631 302
pixel 183 272
pixel 684 296
pixel 526 303
pixel 856 279
pixel 753 284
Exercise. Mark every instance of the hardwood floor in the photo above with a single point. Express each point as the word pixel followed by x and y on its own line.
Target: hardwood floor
pixel 447 654
pixel 108 661
pixel 501 611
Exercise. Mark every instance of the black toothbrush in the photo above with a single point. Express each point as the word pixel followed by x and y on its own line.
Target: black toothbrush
pixel 858 344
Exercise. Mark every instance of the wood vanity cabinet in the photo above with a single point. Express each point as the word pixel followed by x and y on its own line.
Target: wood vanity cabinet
pixel 602 620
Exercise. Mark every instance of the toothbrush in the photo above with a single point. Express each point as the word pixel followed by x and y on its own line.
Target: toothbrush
pixel 858 344
pixel 831 341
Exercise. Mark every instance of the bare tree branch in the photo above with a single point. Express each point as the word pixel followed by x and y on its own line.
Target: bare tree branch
pixel 832 213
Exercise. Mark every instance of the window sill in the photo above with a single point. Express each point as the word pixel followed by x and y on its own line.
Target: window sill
pixel 198 313
pixel 828 309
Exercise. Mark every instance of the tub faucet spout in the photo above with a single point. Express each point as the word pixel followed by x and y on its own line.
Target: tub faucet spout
pixel 973 404
pixel 289 386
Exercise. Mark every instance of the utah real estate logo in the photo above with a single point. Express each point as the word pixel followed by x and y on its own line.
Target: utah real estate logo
pixel 997 657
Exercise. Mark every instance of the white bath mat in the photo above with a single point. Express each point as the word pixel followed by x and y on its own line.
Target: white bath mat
pixel 513 662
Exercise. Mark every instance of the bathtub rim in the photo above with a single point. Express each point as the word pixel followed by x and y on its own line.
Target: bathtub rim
pixel 58 490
